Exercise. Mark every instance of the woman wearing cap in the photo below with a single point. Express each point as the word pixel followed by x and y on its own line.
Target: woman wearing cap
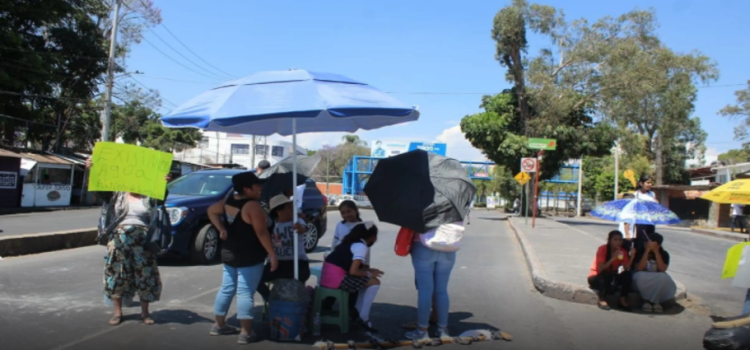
pixel 242 224
pixel 285 232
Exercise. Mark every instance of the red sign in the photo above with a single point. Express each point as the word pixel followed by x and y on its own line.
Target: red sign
pixel 528 165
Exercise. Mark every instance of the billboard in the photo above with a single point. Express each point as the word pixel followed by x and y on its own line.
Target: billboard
pixel 437 148
pixel 382 149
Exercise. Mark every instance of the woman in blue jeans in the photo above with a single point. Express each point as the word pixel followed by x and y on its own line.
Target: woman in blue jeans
pixel 432 269
pixel 242 224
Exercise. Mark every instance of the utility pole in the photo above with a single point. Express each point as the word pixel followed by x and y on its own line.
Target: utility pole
pixel 617 168
pixel 580 186
pixel 110 78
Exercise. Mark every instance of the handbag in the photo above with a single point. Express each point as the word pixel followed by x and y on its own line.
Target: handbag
pixel 404 240
pixel 444 238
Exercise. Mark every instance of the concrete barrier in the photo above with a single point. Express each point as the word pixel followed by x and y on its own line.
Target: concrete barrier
pixel 46 242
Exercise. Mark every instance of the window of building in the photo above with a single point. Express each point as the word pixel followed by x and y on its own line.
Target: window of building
pixel 240 149
pixel 203 143
pixel 277 151
pixel 261 150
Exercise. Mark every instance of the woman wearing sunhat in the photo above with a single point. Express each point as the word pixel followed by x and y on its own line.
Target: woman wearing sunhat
pixel 285 232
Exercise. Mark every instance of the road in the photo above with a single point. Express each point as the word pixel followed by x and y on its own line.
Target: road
pixel 695 260
pixel 54 301
pixel 51 221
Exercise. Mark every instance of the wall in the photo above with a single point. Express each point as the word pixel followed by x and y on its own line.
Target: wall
pixel 219 150
pixel 333 188
pixel 11 198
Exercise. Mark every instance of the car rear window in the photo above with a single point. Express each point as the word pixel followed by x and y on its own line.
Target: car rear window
pixel 200 184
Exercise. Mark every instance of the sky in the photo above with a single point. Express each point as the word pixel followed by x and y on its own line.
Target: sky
pixel 437 55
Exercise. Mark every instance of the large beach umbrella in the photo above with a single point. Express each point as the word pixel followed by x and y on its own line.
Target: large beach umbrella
pixel 291 102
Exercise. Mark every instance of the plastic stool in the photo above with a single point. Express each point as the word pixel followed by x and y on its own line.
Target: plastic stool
pixel 316 271
pixel 342 319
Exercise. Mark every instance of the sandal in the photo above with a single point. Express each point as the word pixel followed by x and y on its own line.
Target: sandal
pixel 115 320
pixel 147 320
pixel 603 306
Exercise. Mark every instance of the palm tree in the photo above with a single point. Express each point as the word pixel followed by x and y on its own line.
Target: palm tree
pixel 352 139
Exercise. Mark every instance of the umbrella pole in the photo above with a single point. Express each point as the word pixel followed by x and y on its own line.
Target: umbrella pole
pixel 296 200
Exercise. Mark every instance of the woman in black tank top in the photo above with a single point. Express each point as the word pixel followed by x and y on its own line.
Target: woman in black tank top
pixel 242 224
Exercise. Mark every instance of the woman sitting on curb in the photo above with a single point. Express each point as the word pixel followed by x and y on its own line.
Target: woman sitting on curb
pixel 604 276
pixel 651 278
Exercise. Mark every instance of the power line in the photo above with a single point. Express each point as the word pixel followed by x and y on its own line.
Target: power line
pixel 146 87
pixel 177 80
pixel 176 61
pixel 183 56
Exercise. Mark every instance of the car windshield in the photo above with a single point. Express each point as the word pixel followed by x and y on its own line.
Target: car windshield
pixel 200 184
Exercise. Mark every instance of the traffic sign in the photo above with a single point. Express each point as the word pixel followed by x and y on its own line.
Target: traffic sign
pixel 543 144
pixel 630 175
pixel 528 165
pixel 522 178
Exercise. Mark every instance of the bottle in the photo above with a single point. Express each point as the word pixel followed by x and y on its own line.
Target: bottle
pixel 316 325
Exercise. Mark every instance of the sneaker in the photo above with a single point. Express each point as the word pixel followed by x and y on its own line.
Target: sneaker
pixel 443 333
pixel 227 329
pixel 647 307
pixel 658 308
pixel 417 334
pixel 246 338
pixel 366 325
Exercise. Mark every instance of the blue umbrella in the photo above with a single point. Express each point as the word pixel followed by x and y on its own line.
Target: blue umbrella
pixel 636 211
pixel 290 102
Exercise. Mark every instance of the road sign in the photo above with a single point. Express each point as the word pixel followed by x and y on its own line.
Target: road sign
pixel 522 178
pixel 630 175
pixel 543 144
pixel 528 165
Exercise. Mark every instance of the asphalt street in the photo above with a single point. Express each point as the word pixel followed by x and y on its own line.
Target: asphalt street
pixel 695 260
pixel 54 301
pixel 51 221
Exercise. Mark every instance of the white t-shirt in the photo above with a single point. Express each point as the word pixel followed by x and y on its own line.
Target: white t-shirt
pixel 360 251
pixel 737 209
pixel 299 192
pixel 343 229
pixel 283 238
pixel 631 232
pixel 648 196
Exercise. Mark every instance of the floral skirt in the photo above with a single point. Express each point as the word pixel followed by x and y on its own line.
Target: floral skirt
pixel 130 269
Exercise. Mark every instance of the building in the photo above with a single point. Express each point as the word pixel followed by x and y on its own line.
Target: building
pixel 225 148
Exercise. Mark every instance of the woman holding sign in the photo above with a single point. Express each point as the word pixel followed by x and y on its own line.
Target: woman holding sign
pixel 130 268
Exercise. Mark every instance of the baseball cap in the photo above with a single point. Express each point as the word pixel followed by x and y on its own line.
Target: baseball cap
pixel 264 164
pixel 244 180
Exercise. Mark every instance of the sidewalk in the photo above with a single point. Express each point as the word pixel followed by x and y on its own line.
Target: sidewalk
pixel 559 259
pixel 720 233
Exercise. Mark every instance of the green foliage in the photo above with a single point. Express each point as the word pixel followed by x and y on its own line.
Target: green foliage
pixel 740 110
pixel 604 184
pixel 504 184
pixel 734 156
pixel 498 133
pixel 335 158
pixel 137 123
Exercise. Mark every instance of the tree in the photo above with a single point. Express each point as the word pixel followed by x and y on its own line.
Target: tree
pixel 498 132
pixel 335 158
pixel 137 123
pixel 740 110
pixel 734 156
pixel 352 139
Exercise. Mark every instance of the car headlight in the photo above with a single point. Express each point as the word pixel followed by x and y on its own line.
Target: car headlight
pixel 177 214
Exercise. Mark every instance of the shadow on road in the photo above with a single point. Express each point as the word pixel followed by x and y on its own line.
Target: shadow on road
pixel 184 317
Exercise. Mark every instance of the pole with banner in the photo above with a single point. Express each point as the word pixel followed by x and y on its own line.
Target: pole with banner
pixel 541 145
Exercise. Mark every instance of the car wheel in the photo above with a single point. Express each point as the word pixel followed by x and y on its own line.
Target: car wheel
pixel 206 245
pixel 310 238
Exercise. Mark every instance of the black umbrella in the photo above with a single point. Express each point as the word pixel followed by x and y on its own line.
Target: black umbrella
pixel 278 178
pixel 420 190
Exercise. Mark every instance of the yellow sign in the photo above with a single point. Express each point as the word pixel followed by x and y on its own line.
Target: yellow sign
pixel 127 168
pixel 630 175
pixel 732 262
pixel 522 178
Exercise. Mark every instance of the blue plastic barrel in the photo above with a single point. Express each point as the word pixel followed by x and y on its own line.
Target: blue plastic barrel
pixel 287 319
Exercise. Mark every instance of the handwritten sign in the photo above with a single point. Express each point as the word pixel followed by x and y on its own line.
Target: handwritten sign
pixel 128 168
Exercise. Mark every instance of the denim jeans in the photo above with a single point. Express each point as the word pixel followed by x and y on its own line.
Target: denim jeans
pixel 432 270
pixel 746 307
pixel 242 281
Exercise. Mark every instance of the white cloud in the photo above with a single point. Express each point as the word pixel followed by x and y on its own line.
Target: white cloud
pixel 458 146
pixel 711 155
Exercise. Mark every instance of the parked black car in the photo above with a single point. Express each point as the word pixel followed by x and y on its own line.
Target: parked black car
pixel 194 237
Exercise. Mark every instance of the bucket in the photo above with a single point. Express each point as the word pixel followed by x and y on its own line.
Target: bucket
pixel 286 319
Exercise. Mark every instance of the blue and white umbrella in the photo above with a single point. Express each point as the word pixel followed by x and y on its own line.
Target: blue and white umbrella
pixel 291 102
pixel 636 211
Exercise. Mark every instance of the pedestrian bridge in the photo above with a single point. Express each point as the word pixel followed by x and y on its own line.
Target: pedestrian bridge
pixel 360 167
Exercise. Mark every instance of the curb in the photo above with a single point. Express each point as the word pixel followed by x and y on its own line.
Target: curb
pixel 46 242
pixel 718 234
pixel 14 211
pixel 563 290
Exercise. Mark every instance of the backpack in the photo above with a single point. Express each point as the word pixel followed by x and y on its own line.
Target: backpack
pixel 444 238
pixel 159 234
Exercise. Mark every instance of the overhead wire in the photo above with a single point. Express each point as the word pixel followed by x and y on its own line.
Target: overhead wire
pixel 148 88
pixel 187 59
